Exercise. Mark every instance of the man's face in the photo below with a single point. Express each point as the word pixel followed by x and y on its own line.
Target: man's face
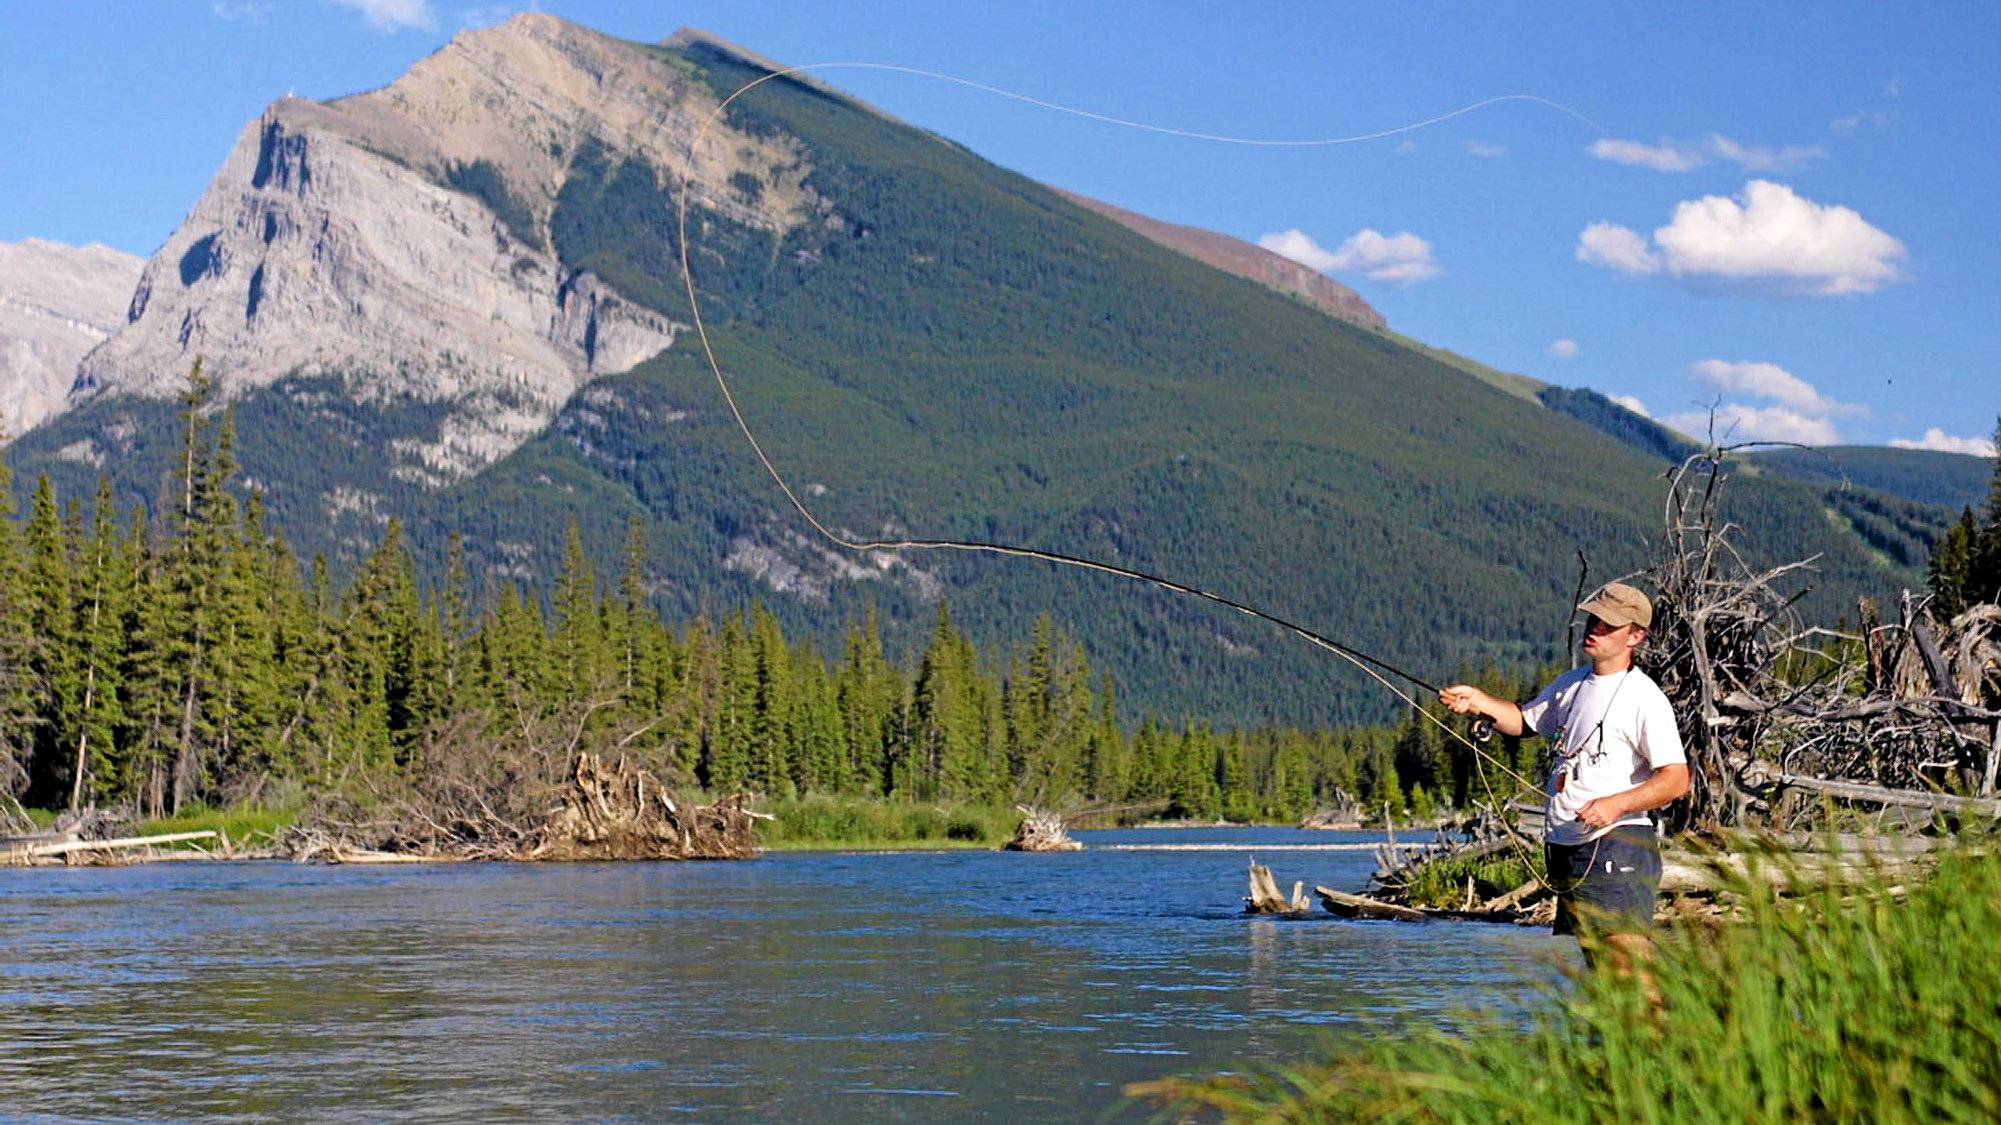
pixel 1601 639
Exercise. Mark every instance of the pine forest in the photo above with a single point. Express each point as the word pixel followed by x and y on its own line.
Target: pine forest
pixel 184 658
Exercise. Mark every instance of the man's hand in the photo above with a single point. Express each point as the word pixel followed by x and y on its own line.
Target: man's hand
pixel 1603 812
pixel 1667 785
pixel 1465 699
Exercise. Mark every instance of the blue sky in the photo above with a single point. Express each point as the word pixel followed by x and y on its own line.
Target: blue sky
pixel 1782 213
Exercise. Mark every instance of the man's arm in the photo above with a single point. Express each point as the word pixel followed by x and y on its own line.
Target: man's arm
pixel 1666 786
pixel 1464 699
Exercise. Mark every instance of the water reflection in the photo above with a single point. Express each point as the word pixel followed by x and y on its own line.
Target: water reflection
pixel 817 986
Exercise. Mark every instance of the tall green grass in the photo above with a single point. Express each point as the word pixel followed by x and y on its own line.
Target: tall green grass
pixel 849 822
pixel 253 825
pixel 1826 1005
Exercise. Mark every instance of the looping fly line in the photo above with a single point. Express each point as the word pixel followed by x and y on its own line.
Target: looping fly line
pixel 1372 666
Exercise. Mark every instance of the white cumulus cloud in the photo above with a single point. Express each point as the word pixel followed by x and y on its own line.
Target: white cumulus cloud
pixel 1616 247
pixel 1938 439
pixel 1794 409
pixel 1486 151
pixel 1769 380
pixel 1736 422
pixel 1664 157
pixel 392 15
pixel 1399 259
pixel 1564 349
pixel 1768 238
pixel 1632 403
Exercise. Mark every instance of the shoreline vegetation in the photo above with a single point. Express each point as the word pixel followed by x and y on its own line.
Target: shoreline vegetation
pixel 810 823
pixel 1832 1000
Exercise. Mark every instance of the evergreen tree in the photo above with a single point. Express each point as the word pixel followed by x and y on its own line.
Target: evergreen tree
pixel 53 660
pixel 17 681
pixel 454 627
pixel 1233 779
pixel 1983 585
pixel 1292 779
pixel 700 686
pixel 867 696
pixel 149 677
pixel 1950 571
pixel 579 646
pixel 104 591
pixel 771 734
pixel 203 525
pixel 727 765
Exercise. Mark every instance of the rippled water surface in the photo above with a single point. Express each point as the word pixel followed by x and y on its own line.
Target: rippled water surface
pixel 802 986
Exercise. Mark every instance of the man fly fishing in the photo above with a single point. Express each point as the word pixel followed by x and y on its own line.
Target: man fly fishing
pixel 1618 755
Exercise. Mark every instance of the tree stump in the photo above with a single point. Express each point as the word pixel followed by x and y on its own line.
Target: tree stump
pixel 1265 899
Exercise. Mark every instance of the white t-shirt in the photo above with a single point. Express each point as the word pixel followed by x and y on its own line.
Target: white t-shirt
pixel 1611 733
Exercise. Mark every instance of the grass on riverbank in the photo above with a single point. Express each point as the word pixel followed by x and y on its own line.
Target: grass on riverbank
pixel 837 822
pixel 245 825
pixel 1828 1005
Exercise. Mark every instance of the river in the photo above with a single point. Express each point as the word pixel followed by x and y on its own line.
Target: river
pixel 800 986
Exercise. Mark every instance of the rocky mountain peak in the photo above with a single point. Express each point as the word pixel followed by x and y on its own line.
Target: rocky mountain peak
pixel 398 239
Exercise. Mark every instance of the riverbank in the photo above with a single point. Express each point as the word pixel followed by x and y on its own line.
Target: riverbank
pixel 794 824
pixel 1831 1001
pixel 812 823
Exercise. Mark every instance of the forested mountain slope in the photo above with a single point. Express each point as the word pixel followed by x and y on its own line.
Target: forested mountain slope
pixel 944 348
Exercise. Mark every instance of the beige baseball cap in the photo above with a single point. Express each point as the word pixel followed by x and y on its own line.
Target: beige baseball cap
pixel 1619 604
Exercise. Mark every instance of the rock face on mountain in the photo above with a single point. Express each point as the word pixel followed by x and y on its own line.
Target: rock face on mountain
pixel 397 240
pixel 1245 260
pixel 56 303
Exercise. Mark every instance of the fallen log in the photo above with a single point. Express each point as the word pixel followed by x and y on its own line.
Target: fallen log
pixel 1514 899
pixel 67 847
pixel 1845 844
pixel 1265 899
pixel 1357 906
pixel 1760 773
pixel 1685 873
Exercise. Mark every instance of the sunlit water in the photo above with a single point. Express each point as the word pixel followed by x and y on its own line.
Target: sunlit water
pixel 802 986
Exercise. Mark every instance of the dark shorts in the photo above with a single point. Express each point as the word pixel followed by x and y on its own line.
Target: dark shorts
pixel 1609 884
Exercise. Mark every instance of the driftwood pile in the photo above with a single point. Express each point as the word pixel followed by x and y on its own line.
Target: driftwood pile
pixel 624 813
pixel 1780 718
pixel 600 811
pixel 1041 831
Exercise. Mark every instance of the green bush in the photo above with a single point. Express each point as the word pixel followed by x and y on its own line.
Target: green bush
pixel 847 822
pixel 1442 882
